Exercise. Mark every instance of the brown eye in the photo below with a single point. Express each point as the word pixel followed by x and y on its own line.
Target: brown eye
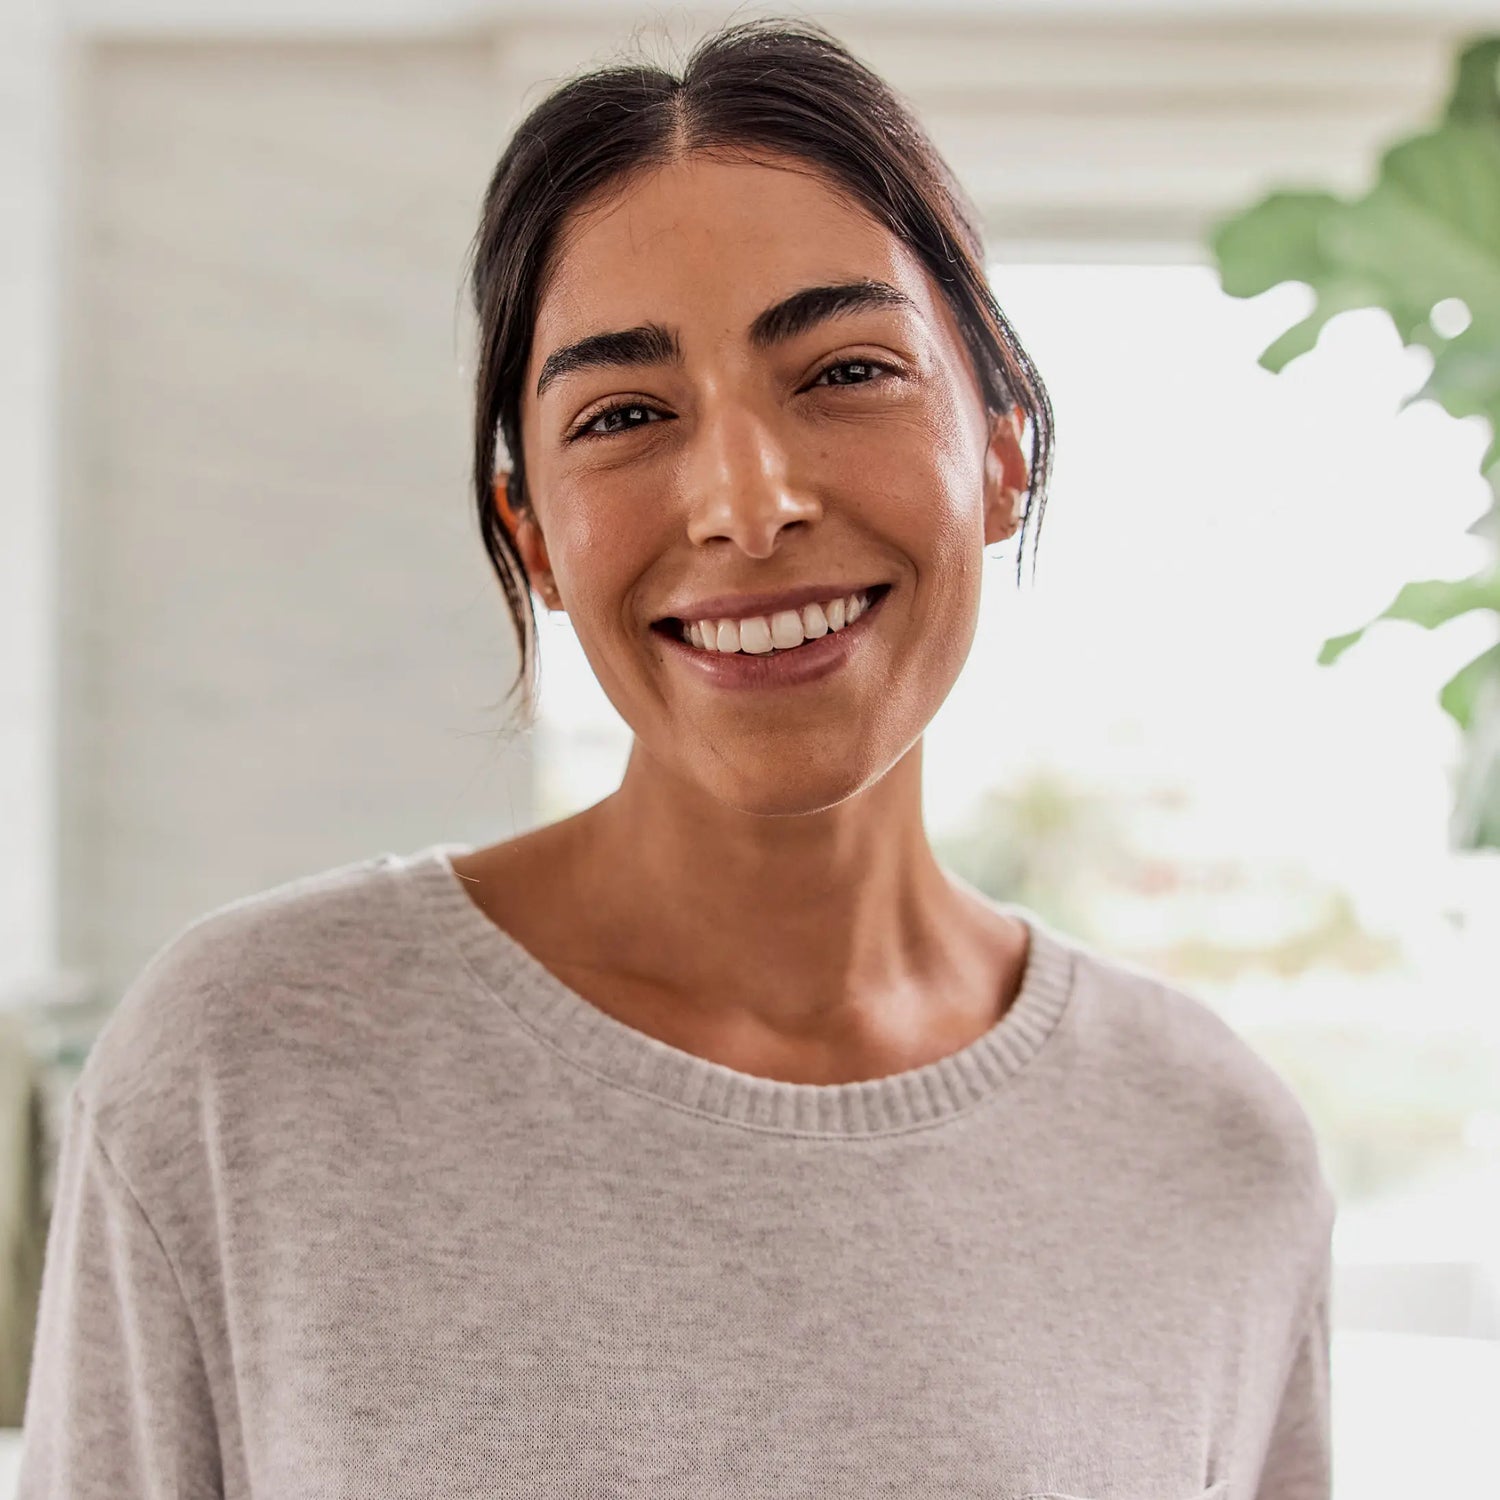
pixel 854 364
pixel 628 408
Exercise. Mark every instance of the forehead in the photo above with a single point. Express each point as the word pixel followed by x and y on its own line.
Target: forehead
pixel 710 242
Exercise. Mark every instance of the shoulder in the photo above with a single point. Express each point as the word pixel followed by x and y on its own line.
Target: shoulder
pixel 308 936
pixel 1166 1067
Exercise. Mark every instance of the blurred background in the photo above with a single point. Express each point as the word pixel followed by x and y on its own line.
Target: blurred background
pixel 247 630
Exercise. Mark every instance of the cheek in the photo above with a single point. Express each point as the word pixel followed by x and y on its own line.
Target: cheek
pixel 930 489
pixel 925 447
pixel 591 546
pixel 958 499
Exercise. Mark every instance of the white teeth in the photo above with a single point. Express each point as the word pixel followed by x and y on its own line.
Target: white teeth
pixel 783 631
pixel 786 628
pixel 756 636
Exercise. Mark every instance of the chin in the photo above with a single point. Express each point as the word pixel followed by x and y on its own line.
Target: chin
pixel 772 796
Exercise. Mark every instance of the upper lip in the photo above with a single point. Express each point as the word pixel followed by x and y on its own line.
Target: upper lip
pixel 742 606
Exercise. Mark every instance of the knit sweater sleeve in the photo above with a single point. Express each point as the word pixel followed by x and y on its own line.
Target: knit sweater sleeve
pixel 117 1402
pixel 1299 1458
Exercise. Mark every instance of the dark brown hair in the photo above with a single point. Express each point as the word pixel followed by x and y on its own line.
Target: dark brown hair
pixel 770 86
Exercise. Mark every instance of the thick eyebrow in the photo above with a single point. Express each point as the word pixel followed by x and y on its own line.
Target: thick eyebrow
pixel 653 344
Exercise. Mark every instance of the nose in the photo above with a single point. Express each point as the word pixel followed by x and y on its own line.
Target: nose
pixel 738 482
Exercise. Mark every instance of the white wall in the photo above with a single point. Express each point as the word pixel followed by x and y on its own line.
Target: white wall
pixel 30 111
pixel 280 635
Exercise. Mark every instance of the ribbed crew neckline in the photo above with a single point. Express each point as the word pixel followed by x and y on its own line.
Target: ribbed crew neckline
pixel 608 1047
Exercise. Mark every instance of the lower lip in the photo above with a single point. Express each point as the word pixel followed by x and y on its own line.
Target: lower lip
pixel 809 662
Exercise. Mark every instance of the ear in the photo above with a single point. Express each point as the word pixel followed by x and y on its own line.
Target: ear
pixel 527 536
pixel 1006 476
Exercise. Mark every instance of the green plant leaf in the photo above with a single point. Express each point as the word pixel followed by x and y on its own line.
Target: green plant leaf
pixel 1430 227
pixel 1335 296
pixel 1434 601
pixel 1487 526
pixel 1275 241
pixel 1460 693
pixel 1426 232
pixel 1476 84
pixel 1465 377
pixel 1429 603
pixel 1335 646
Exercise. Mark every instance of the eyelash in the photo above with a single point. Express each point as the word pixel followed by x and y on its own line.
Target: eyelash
pixel 581 432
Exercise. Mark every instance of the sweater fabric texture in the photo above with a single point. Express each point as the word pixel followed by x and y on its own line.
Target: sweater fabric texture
pixel 356 1198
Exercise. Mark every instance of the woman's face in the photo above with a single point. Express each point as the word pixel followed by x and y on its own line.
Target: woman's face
pixel 741 465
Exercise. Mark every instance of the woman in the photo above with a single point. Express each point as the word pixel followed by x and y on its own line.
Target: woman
pixel 715 1141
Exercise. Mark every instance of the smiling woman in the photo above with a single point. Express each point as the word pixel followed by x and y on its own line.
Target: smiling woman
pixel 793 140
pixel 714 1141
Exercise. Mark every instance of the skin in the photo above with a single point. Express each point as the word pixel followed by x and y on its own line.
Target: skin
pixel 760 890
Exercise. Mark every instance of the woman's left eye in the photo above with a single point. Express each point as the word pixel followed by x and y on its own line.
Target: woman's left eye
pixel 855 364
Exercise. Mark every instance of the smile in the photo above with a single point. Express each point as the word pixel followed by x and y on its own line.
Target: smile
pixel 780 650
pixel 785 630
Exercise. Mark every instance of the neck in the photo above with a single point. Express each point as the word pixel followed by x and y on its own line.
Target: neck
pixel 819 924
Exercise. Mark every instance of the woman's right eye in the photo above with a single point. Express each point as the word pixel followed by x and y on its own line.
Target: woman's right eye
pixel 630 408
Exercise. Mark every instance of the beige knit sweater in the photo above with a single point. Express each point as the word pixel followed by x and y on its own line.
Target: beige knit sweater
pixel 357 1199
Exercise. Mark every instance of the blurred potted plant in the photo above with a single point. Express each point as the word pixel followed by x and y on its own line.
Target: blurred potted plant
pixel 1424 244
